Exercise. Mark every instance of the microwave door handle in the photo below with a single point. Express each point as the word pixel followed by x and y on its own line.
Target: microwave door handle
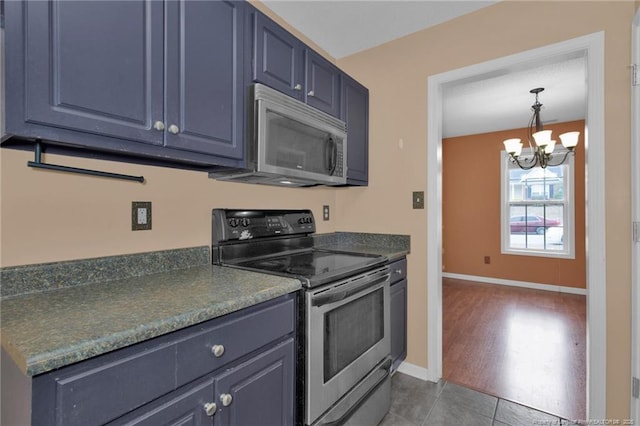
pixel 333 154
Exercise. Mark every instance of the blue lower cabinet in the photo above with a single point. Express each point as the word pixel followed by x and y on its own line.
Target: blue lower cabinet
pixel 186 407
pixel 259 391
pixel 246 377
pixel 398 312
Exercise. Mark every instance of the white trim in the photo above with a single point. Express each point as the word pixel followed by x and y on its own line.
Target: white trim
pixel 513 283
pixel 414 371
pixel 635 190
pixel 592 46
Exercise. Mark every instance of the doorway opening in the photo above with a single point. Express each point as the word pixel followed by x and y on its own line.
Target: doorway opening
pixel 592 48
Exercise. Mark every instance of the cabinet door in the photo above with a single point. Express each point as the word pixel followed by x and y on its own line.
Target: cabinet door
pixel 277 57
pixel 89 66
pixel 355 112
pixel 322 84
pixel 204 88
pixel 184 407
pixel 398 323
pixel 259 391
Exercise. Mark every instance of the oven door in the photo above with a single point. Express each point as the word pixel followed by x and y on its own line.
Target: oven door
pixel 347 337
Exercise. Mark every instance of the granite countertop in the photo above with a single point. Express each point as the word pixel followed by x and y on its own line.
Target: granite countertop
pixel 47 330
pixel 56 314
pixel 392 246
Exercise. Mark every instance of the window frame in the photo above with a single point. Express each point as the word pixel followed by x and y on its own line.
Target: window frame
pixel 568 210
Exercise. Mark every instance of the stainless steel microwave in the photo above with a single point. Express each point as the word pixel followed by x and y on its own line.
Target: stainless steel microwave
pixel 291 143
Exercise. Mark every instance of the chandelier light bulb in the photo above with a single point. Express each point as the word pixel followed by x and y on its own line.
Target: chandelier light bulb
pixel 542 138
pixel 513 146
pixel 548 149
pixel 570 139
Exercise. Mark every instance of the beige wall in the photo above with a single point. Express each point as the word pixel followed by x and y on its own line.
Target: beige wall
pixel 471 211
pixel 396 75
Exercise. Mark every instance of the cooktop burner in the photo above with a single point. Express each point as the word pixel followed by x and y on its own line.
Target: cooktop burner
pixel 280 242
pixel 316 266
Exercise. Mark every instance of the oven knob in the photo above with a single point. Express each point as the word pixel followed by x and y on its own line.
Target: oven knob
pixel 217 350
pixel 301 220
pixel 245 222
pixel 233 223
pixel 226 399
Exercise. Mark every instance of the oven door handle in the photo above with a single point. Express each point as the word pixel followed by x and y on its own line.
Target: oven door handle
pixel 337 295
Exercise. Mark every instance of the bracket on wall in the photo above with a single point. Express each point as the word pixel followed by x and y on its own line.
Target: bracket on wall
pixel 40 165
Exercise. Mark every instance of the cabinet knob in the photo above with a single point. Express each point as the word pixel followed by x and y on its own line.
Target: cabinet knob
pixel 158 125
pixel 399 271
pixel 174 130
pixel 297 87
pixel 311 93
pixel 226 399
pixel 217 350
pixel 210 408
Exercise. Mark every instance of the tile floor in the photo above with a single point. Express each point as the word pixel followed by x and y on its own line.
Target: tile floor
pixel 418 403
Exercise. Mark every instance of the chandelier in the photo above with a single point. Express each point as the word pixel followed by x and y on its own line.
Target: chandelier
pixel 540 142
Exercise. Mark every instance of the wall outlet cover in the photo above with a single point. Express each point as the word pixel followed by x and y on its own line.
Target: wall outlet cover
pixel 325 213
pixel 140 215
pixel 418 199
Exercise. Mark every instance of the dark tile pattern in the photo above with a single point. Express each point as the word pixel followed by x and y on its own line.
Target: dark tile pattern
pixel 19 280
pixel 391 245
pixel 415 402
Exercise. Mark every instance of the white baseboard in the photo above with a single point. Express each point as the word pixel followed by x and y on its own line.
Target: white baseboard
pixel 500 281
pixel 415 371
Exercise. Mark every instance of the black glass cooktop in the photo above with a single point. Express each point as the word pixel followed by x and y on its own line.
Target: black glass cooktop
pixel 317 266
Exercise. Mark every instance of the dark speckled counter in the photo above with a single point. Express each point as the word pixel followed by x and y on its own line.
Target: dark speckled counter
pixel 44 331
pixel 390 245
pixel 56 314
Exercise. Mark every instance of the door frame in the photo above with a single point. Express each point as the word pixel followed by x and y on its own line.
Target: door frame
pixel 635 197
pixel 592 47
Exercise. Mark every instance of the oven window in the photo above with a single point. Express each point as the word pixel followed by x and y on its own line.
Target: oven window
pixel 350 330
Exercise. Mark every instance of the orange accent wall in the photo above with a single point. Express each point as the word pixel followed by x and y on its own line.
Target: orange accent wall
pixel 471 213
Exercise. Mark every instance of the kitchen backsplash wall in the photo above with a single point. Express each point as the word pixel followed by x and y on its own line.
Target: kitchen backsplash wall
pixel 51 216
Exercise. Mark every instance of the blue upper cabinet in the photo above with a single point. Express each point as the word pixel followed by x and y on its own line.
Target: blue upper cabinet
pixel 283 62
pixel 90 66
pixel 278 57
pixel 204 86
pixel 355 112
pixel 322 84
pixel 152 79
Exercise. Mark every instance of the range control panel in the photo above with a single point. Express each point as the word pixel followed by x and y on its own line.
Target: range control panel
pixel 238 225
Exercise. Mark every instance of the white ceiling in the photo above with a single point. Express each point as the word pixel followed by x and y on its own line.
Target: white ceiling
pixel 484 104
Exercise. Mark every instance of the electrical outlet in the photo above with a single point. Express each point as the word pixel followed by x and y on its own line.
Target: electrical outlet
pixel 487 260
pixel 418 199
pixel 140 215
pixel 325 213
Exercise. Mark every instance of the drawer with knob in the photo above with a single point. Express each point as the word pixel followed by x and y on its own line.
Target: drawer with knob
pixel 398 270
pixel 212 346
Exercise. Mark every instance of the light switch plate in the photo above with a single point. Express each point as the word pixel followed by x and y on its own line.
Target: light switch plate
pixel 140 215
pixel 418 199
pixel 325 212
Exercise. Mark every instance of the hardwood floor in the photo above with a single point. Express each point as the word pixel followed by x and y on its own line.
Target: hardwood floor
pixel 523 345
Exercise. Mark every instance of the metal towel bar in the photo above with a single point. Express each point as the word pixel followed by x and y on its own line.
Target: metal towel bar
pixel 40 165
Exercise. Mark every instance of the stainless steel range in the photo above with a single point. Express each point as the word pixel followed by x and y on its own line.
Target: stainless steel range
pixel 344 341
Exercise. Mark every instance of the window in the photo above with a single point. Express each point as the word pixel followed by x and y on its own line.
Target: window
pixel 537 209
